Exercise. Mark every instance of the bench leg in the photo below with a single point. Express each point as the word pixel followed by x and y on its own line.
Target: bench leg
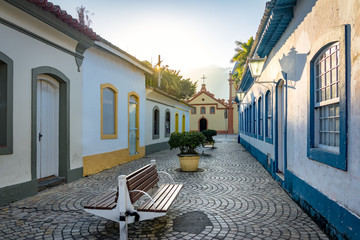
pixel 123 229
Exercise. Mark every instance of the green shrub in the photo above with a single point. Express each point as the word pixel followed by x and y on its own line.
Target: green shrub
pixel 209 133
pixel 187 142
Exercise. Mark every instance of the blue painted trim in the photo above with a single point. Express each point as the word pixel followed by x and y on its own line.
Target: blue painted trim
pixel 335 220
pixel 337 160
pixel 261 113
pixel 254 123
pixel 260 156
pixel 268 139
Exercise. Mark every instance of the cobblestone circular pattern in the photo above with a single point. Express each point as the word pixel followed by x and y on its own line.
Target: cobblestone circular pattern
pixel 238 196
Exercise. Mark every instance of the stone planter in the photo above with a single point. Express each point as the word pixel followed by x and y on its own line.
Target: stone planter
pixel 189 162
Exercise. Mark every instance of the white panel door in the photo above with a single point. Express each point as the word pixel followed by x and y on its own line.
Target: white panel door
pixel 47 127
pixel 132 127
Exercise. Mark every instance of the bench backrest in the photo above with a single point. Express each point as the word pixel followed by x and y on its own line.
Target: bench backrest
pixel 143 179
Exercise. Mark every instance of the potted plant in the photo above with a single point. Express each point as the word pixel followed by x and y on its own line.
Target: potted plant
pixel 209 133
pixel 187 142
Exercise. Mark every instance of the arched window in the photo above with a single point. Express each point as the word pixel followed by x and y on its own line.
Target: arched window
pixel 167 123
pixel 255 119
pixel 250 119
pixel 202 110
pixel 193 110
pixel 183 123
pixel 176 122
pixel 327 103
pixel 108 111
pixel 6 104
pixel 212 110
pixel 156 123
pixel 260 117
pixel 268 115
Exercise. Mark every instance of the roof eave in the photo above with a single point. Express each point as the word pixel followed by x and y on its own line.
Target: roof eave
pixel 122 54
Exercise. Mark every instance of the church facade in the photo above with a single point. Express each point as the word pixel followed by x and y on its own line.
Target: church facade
pixel 209 112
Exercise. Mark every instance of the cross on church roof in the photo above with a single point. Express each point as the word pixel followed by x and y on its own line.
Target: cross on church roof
pixel 203 78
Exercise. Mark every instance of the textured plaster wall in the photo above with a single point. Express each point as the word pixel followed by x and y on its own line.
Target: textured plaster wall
pixel 28 53
pixel 312 19
pixel 101 67
pixel 163 103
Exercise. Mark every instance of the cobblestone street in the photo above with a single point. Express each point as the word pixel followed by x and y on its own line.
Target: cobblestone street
pixel 232 197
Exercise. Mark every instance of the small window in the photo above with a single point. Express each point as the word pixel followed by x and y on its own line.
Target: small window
pixel 202 110
pixel 183 123
pixel 260 117
pixel 212 110
pixel 156 123
pixel 255 119
pixel 6 104
pixel 268 114
pixel 108 111
pixel 251 119
pixel 167 123
pixel 176 122
pixel 193 110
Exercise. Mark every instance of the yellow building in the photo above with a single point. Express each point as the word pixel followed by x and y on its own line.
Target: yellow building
pixel 212 113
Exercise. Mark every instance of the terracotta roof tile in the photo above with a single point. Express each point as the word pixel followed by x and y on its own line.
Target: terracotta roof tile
pixel 66 18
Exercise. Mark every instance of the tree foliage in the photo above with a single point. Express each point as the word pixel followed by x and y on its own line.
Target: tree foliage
pixel 172 82
pixel 242 52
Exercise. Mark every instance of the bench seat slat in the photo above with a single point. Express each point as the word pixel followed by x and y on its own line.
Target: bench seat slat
pixel 100 200
pixel 163 198
pixel 139 174
pixel 142 180
pixel 105 201
pixel 131 175
pixel 156 196
pixel 171 199
pixel 134 196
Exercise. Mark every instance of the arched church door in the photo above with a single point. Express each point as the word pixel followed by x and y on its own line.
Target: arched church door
pixel 203 124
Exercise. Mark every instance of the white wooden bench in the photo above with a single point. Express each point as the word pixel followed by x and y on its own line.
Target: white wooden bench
pixel 118 205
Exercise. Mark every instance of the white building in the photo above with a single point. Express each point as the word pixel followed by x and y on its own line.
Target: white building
pixel 300 118
pixel 114 107
pixel 40 96
pixel 164 114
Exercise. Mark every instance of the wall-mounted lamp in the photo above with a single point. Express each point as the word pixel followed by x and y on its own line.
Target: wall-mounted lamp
pixel 256 65
pixel 239 96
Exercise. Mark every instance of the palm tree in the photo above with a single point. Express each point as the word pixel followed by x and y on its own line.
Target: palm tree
pixel 242 52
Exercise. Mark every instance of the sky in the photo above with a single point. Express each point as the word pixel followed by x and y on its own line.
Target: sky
pixel 188 34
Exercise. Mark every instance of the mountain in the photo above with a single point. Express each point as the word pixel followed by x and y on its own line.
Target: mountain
pixel 216 79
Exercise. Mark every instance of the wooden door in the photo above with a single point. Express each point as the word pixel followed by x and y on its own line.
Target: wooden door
pixel 47 127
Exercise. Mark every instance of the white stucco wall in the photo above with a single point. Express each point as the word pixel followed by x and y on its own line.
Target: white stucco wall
pixel 312 19
pixel 28 53
pixel 101 67
pixel 163 103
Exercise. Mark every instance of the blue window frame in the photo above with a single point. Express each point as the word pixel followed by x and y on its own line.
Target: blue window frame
pixel 260 119
pixel 6 104
pixel 327 130
pixel 269 118
pixel 250 119
pixel 255 119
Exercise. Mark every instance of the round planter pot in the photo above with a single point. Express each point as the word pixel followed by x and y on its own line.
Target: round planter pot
pixel 189 163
